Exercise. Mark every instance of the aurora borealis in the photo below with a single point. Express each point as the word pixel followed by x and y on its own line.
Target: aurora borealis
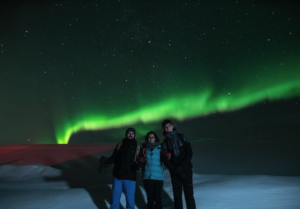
pixel 67 67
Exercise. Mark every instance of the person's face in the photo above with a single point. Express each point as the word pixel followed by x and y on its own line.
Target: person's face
pixel 168 127
pixel 130 135
pixel 151 138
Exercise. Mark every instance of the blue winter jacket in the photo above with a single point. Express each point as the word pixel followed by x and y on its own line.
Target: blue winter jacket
pixel 153 168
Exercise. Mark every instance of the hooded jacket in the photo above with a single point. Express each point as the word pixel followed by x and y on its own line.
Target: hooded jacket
pixel 123 158
pixel 180 149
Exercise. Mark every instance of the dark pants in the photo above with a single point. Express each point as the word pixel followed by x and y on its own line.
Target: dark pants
pixel 188 189
pixel 153 189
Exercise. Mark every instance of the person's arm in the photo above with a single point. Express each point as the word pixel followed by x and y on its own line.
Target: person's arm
pixel 103 161
pixel 111 159
pixel 189 154
pixel 165 157
pixel 141 156
pixel 141 159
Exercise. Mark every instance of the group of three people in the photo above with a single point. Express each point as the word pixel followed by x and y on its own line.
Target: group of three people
pixel 174 152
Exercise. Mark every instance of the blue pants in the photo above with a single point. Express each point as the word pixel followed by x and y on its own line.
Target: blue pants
pixel 129 190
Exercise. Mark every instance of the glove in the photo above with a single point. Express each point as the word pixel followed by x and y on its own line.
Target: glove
pixel 102 159
pixel 101 166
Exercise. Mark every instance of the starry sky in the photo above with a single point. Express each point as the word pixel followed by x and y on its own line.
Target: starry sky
pixel 83 71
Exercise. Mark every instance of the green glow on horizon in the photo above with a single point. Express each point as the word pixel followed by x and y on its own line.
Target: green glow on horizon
pixel 182 107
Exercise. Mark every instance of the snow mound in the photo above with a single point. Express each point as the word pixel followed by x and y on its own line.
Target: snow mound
pixel 26 172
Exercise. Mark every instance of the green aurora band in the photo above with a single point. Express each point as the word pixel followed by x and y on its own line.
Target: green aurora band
pixel 269 87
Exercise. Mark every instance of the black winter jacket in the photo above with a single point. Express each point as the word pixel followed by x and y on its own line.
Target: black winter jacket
pixel 123 158
pixel 183 159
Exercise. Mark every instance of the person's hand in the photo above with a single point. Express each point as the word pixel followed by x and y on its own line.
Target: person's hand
pixel 179 169
pixel 165 153
pixel 101 166
pixel 102 159
pixel 140 160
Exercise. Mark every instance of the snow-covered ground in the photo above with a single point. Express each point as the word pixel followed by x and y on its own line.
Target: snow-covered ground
pixel 40 186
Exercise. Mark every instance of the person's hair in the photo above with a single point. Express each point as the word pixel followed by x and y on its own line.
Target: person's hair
pixel 151 132
pixel 129 129
pixel 166 121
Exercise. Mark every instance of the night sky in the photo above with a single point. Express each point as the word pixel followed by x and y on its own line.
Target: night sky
pixel 84 71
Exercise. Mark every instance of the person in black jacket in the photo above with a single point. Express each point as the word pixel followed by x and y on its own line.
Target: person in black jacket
pixel 177 155
pixel 124 171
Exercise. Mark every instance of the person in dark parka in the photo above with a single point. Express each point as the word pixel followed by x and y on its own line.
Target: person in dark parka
pixel 124 171
pixel 177 154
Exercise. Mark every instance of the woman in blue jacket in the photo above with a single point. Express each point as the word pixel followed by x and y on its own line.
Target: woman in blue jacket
pixel 153 173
